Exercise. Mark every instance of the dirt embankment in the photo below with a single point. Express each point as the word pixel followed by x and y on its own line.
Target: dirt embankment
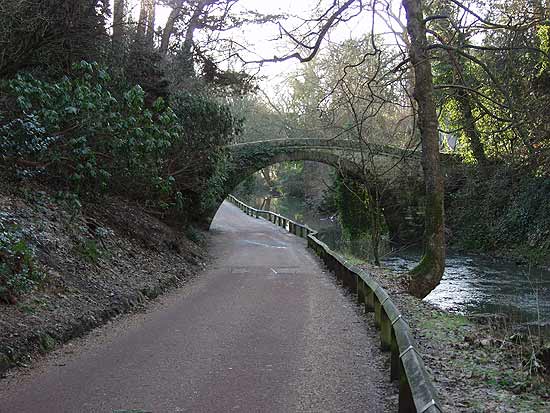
pixel 478 365
pixel 98 261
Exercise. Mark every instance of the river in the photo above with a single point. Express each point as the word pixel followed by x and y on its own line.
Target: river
pixel 471 284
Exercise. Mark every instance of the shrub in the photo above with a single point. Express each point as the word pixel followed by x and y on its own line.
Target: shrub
pixel 90 134
pixel 87 132
pixel 197 160
pixel 18 271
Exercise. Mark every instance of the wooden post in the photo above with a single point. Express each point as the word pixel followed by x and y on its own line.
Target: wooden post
pixel 395 362
pixel 406 402
pixel 385 330
pixel 369 299
pixel 377 311
pixel 360 292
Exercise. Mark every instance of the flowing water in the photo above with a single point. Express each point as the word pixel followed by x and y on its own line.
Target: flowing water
pixel 481 285
pixel 471 284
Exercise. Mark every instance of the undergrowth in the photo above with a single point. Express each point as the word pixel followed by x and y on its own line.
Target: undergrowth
pixel 19 272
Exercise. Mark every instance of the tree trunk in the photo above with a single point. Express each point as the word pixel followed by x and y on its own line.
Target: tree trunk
pixel 119 11
pixel 471 132
pixel 267 178
pixel 150 35
pixel 187 56
pixel 427 274
pixel 169 30
pixel 142 22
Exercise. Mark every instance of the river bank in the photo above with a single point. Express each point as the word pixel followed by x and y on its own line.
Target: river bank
pixel 96 262
pixel 478 364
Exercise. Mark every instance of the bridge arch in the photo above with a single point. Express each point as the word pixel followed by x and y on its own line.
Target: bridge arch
pixel 246 159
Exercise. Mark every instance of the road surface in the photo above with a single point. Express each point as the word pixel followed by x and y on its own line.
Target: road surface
pixel 263 329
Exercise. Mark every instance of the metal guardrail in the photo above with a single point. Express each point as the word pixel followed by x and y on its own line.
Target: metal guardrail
pixel 416 391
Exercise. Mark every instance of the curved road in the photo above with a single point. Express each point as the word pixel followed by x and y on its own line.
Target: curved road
pixel 264 329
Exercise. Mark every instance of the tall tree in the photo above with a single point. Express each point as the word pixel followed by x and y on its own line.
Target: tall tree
pixel 427 274
pixel 119 26
pixel 146 24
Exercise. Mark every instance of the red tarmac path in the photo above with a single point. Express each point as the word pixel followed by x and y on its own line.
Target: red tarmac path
pixel 263 329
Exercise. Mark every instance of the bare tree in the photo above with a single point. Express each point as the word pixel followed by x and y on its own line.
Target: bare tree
pixel 427 274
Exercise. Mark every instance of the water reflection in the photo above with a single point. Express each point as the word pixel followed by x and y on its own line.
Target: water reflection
pixel 473 284
pixel 470 285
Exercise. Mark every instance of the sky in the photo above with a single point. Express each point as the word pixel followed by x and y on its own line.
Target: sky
pixel 260 38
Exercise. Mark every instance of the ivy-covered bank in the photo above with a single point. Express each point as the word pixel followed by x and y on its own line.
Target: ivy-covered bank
pixel 505 214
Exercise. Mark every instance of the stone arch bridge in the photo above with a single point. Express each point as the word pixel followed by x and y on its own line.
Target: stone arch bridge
pixel 397 170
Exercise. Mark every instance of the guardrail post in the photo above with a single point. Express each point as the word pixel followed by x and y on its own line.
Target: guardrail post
pixel 344 274
pixel 377 311
pixel 348 278
pixel 353 281
pixel 406 402
pixel 385 330
pixel 360 292
pixel 369 299
pixel 395 362
pixel 334 267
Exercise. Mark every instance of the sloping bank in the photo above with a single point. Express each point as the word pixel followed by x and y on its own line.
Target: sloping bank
pixel 95 262
pixel 478 364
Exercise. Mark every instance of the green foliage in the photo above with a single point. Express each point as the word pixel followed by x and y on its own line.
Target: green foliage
pixel 89 250
pixel 195 235
pixel 87 135
pixel 197 159
pixel 291 179
pixel 18 272
pixel 206 122
pixel 361 219
pixel 91 134
pixel 507 211
pixel 353 215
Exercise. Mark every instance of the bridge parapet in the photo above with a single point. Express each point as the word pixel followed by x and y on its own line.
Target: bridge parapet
pixel 331 144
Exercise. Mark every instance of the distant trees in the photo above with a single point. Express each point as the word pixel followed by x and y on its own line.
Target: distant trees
pixel 490 73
